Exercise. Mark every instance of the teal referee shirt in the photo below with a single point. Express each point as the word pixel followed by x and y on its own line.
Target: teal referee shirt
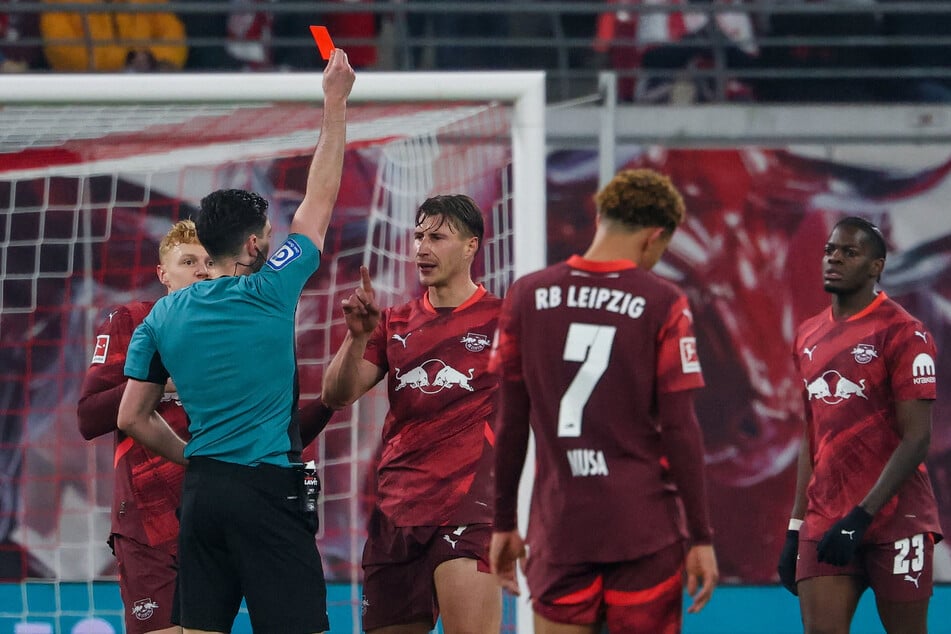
pixel 229 346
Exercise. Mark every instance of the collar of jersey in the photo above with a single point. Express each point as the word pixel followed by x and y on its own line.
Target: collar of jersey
pixel 476 296
pixel 578 262
pixel 881 297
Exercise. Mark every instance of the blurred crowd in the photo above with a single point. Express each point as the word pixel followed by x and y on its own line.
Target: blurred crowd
pixel 680 51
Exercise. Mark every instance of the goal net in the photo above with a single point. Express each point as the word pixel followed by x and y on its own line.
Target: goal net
pixel 93 171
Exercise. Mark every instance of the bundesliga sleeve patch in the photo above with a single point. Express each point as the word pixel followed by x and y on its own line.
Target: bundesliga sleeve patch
pixel 288 252
pixel 689 360
pixel 102 349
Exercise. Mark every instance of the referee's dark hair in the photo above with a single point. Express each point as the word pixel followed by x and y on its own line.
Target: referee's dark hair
pixel 871 231
pixel 226 218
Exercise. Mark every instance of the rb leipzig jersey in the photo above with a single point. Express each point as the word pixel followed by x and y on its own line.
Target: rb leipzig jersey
pixel 436 464
pixel 595 343
pixel 147 487
pixel 853 372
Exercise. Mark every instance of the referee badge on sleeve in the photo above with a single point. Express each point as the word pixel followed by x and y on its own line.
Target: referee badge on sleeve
pixel 288 252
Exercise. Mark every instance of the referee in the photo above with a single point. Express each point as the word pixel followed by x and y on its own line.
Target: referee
pixel 228 343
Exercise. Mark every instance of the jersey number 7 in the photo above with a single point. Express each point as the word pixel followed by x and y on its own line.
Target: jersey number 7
pixel 591 345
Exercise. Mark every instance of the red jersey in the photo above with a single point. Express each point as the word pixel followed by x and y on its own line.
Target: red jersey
pixel 436 464
pixel 853 372
pixel 595 343
pixel 147 487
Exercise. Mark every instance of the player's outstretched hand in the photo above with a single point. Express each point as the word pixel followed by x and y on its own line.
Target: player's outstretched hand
pixel 787 561
pixel 360 309
pixel 838 545
pixel 505 551
pixel 338 76
pixel 701 565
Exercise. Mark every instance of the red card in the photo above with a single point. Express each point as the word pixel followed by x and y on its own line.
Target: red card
pixel 324 43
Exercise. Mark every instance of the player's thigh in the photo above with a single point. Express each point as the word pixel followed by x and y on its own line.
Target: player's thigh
pixel 147 578
pixel 469 601
pixel 544 626
pixel 467 594
pixel 907 617
pixel 828 603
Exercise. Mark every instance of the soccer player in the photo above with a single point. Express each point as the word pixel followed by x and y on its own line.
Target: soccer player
pixel 427 548
pixel 147 489
pixel 597 356
pixel 864 513
pixel 246 530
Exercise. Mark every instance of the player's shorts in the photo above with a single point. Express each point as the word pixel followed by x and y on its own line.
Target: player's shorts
pixel 146 584
pixel 643 595
pixel 244 531
pixel 900 571
pixel 399 563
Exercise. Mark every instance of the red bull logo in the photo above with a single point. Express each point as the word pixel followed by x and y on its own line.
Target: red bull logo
pixel 832 388
pixel 445 377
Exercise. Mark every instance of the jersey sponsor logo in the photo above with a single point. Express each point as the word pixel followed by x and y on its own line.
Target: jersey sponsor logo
pixel 922 369
pixel 689 359
pixel 808 351
pixel 592 297
pixel 475 342
pixel 288 252
pixel 864 353
pixel 587 462
pixel 401 338
pixel 446 377
pixel 102 349
pixel 143 609
pixel 822 388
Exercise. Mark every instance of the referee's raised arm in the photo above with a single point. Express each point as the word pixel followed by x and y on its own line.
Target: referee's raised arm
pixel 323 179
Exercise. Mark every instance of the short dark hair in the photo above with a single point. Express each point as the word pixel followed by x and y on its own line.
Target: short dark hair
pixel 461 211
pixel 871 231
pixel 641 198
pixel 226 218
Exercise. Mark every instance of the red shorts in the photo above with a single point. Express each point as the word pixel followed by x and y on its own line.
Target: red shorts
pixel 900 571
pixel 399 563
pixel 644 595
pixel 147 579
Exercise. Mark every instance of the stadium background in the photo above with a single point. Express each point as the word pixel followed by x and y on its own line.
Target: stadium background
pixel 749 258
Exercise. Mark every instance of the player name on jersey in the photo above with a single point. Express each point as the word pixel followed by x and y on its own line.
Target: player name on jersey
pixel 595 297
pixel 587 462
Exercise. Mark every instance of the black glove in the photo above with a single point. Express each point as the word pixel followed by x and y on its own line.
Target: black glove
pixel 838 545
pixel 787 562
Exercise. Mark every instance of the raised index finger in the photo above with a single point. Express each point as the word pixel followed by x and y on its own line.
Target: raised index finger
pixel 365 279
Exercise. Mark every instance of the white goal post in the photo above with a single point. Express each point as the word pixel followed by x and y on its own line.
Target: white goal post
pixel 60 208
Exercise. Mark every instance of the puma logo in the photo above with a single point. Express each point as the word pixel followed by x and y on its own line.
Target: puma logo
pixel 849 533
pixel 923 335
pixel 402 339
pixel 914 580
pixel 452 542
pixel 809 351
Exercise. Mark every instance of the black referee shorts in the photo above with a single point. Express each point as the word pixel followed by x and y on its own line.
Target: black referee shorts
pixel 245 533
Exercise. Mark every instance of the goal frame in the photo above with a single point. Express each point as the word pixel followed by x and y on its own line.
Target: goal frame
pixel 523 90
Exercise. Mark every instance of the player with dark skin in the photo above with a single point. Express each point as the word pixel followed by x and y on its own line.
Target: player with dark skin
pixel 829 589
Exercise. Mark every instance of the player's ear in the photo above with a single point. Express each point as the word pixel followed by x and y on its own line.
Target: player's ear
pixel 878 265
pixel 657 233
pixel 162 276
